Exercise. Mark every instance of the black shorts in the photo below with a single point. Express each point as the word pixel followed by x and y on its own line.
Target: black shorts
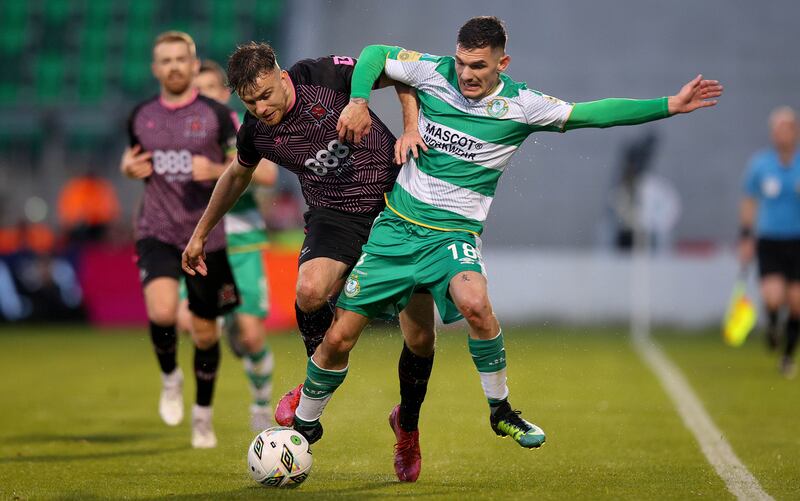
pixel 209 296
pixel 781 257
pixel 336 235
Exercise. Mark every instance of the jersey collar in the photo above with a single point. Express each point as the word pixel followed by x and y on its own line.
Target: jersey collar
pixel 180 104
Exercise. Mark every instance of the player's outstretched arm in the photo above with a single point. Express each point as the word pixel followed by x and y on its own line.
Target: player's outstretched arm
pixel 698 93
pixel 227 191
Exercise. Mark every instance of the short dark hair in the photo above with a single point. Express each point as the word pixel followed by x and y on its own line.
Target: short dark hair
pixel 209 66
pixel 482 31
pixel 247 63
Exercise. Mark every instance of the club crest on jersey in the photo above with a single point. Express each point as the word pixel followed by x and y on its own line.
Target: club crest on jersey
pixel 497 107
pixel 352 287
pixel 318 112
pixel 195 127
pixel 408 55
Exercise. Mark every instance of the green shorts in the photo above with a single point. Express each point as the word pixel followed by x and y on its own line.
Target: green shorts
pixel 401 258
pixel 250 276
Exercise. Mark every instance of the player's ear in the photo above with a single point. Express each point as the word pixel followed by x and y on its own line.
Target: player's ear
pixel 505 60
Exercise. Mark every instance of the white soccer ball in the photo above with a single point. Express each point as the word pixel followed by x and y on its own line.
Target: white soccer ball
pixel 279 457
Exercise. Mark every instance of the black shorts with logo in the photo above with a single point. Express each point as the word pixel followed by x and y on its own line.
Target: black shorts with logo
pixel 209 296
pixel 336 235
pixel 781 257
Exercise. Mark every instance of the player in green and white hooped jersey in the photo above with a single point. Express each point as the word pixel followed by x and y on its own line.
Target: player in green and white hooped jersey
pixel 473 118
pixel 247 238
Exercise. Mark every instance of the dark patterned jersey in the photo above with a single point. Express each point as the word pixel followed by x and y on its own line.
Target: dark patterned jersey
pixel 173 202
pixel 333 175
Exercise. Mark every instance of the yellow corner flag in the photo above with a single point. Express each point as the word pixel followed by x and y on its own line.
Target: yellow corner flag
pixel 741 316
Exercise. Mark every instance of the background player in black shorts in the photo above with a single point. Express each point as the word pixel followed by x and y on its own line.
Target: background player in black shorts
pixel 291 120
pixel 769 218
pixel 180 143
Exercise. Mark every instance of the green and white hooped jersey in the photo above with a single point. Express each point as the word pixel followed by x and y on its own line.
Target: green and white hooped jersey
pixel 451 187
pixel 245 229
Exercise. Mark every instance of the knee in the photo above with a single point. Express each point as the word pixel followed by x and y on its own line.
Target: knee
pixel 163 315
pixel 476 310
pixel 204 335
pixel 310 296
pixel 421 341
pixel 252 339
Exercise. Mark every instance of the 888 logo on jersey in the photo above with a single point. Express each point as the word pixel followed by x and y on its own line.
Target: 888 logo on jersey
pixel 333 157
pixel 174 165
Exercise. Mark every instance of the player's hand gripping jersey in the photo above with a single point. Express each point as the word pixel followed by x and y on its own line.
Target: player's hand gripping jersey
pixel 173 202
pixel 452 185
pixel 332 174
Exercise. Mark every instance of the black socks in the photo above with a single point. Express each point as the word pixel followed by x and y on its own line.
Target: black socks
pixel 414 373
pixel 206 363
pixel 313 325
pixel 165 342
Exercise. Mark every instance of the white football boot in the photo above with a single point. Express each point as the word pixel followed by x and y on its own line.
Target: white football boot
pixel 170 405
pixel 203 436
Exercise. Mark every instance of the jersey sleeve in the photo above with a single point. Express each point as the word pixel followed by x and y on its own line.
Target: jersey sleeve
pixel 410 67
pixel 405 66
pixel 228 125
pixel 333 72
pixel 133 140
pixel 750 181
pixel 543 112
pixel 247 155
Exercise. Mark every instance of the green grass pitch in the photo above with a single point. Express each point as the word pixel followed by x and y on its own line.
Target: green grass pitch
pixel 79 420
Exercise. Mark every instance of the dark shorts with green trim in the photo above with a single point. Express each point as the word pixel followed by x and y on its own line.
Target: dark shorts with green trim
pixel 401 258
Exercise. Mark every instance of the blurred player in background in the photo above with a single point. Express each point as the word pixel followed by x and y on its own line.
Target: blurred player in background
pixel 179 144
pixel 769 219
pixel 246 235
pixel 292 121
pixel 473 119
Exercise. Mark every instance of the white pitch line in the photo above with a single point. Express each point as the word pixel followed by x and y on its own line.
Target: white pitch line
pixel 738 479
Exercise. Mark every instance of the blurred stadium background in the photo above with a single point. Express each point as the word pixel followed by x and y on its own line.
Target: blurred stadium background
pixel 74 69
pixel 555 248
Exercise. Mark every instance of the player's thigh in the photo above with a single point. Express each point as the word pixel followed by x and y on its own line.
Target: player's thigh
pixel 319 277
pixel 418 324
pixel 455 255
pixel 251 283
pixel 159 266
pixel 469 291
pixel 161 300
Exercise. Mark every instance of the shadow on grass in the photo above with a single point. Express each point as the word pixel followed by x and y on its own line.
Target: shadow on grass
pixel 60 458
pixel 90 438
pixel 367 489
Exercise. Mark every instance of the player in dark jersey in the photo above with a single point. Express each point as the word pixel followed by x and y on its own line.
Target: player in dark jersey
pixel 291 120
pixel 179 144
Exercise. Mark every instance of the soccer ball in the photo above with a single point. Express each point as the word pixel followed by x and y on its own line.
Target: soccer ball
pixel 279 457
